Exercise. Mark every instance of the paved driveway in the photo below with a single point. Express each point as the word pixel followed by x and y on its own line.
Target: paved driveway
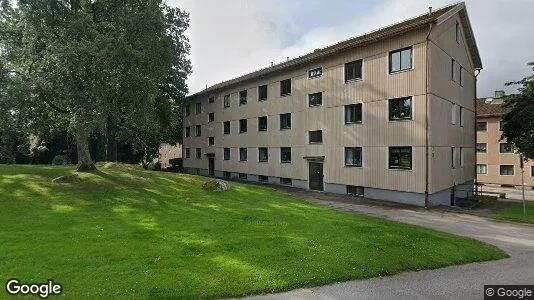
pixel 456 282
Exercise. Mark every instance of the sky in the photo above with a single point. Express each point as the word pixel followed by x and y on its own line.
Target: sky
pixel 230 38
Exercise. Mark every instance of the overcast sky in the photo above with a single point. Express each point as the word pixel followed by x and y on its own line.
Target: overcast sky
pixel 230 38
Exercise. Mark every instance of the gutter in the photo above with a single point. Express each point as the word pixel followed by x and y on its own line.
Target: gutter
pixel 427 202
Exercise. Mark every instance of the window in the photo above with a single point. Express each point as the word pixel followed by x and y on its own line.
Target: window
pixel 262 93
pixel 532 171
pixel 354 190
pixel 506 170
pixel 353 156
pixel 353 113
pixel 243 176
pixel 400 60
pixel 198 130
pixel 242 125
pixel 187 152
pixel 315 99
pixel 211 117
pixel 227 175
pixel 226 101
pixel 286 181
pixel 453 72
pixel 453 157
pixel 353 70
pixel 211 99
pixel 285 121
pixel 400 109
pixel 211 141
pixel 226 154
pixel 285 154
pixel 482 169
pixel 199 153
pixel 461 76
pixel 457 32
pixel 461 117
pixel 506 147
pixel 317 72
pixel 262 178
pixel 500 125
pixel 198 108
pixel 482 126
pixel 243 153
pixel 226 127
pixel 262 123
pixel 482 147
pixel 453 113
pixel 187 131
pixel 285 87
pixel 243 97
pixel 187 110
pixel 315 136
pixel 263 154
pixel 461 156
pixel 400 158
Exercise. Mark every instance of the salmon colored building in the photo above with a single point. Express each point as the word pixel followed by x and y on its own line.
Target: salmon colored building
pixel 497 161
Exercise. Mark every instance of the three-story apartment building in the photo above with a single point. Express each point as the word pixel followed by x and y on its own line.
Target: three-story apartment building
pixel 497 161
pixel 386 115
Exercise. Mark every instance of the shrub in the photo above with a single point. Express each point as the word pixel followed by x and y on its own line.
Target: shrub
pixel 486 201
pixel 61 160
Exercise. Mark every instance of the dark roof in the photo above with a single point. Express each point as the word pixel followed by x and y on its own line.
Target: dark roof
pixel 382 33
pixel 489 109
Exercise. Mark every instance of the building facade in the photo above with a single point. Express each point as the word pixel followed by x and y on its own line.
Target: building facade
pixel 497 161
pixel 168 151
pixel 387 115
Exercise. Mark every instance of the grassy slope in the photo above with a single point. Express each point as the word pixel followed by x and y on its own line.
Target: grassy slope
pixel 136 234
pixel 514 212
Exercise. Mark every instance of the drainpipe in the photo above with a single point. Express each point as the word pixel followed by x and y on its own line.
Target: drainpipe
pixel 476 132
pixel 427 203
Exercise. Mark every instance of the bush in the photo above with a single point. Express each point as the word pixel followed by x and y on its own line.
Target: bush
pixel 486 201
pixel 61 160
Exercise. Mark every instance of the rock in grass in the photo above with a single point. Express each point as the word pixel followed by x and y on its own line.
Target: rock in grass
pixel 72 178
pixel 216 185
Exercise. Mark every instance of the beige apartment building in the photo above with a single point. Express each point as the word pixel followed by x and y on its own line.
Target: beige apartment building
pixel 386 115
pixel 497 162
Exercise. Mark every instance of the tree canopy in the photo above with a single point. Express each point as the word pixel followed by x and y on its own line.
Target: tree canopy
pixel 518 121
pixel 118 67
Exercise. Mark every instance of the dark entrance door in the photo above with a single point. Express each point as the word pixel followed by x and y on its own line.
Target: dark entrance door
pixel 211 167
pixel 316 176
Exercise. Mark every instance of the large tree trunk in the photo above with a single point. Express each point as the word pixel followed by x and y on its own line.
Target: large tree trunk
pixel 85 163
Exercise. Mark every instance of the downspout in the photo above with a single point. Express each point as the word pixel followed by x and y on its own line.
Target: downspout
pixel 476 132
pixel 427 203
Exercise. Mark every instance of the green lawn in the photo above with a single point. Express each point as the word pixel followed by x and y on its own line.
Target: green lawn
pixel 514 212
pixel 129 233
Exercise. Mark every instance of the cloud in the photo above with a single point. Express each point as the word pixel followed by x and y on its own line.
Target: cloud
pixel 234 37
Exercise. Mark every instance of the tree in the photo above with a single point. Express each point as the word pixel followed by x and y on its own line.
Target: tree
pixel 518 121
pixel 101 63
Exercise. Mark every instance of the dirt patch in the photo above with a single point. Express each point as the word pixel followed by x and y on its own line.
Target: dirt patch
pixel 73 178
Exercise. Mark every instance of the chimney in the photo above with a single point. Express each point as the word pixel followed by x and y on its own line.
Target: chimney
pixel 429 10
pixel 287 58
pixel 499 94
pixel 272 64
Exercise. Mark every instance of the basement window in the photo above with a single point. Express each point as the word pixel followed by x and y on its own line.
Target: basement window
pixel 286 181
pixel 355 190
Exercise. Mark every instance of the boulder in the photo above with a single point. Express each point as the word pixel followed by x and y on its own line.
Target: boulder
pixel 216 185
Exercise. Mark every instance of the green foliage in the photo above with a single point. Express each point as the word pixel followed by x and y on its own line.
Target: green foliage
pixel 127 233
pixel 117 67
pixel 61 160
pixel 486 201
pixel 518 121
